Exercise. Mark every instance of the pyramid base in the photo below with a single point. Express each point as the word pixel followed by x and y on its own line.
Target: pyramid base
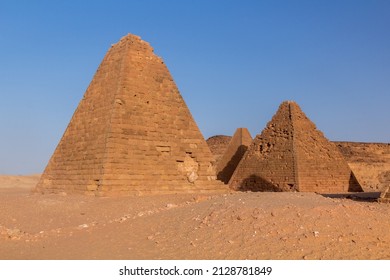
pixel 116 191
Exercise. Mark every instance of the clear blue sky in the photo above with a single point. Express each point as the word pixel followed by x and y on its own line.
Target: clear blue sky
pixel 233 61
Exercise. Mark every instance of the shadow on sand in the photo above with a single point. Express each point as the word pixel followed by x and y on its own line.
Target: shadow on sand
pixel 255 183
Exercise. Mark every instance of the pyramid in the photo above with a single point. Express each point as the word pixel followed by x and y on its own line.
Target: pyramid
pixel 292 155
pixel 131 133
pixel 233 154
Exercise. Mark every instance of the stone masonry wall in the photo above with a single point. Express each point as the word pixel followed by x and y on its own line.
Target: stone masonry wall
pixel 319 164
pixel 268 163
pixel 77 162
pixel 132 133
pixel 292 155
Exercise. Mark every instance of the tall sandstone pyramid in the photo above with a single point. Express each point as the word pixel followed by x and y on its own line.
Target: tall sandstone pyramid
pixel 292 155
pixel 236 149
pixel 131 134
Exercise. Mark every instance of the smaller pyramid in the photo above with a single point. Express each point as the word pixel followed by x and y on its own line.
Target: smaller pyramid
pixel 234 152
pixel 292 155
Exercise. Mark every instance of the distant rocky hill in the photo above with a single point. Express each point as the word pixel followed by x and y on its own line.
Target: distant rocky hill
pixel 369 161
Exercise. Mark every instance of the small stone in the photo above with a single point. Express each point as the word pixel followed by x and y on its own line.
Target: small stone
pixel 171 205
pixel 192 177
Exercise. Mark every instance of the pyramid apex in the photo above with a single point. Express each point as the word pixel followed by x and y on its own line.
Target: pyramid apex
pixel 132 40
pixel 290 105
pixel 130 36
pixel 243 133
pixel 289 102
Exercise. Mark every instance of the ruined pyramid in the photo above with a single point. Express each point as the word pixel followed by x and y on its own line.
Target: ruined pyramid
pixel 131 134
pixel 292 155
pixel 233 154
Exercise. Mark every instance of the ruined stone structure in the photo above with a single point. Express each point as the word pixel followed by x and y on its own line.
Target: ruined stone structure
pixel 292 155
pixel 218 145
pixel 234 152
pixel 369 162
pixel 132 133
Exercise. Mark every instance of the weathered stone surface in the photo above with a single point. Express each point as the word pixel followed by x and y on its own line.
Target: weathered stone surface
pixel 292 155
pixel 132 133
pixel 369 162
pixel 234 152
pixel 218 145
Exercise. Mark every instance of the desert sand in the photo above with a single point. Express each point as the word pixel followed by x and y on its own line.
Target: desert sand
pixel 234 225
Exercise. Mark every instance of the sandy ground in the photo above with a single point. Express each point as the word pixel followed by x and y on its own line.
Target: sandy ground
pixel 223 226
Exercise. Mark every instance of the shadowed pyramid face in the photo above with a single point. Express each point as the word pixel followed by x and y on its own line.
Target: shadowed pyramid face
pixel 132 133
pixel 292 155
pixel 235 150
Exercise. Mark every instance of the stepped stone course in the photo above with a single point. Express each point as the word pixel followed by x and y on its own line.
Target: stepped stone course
pixel 132 133
pixel 292 155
